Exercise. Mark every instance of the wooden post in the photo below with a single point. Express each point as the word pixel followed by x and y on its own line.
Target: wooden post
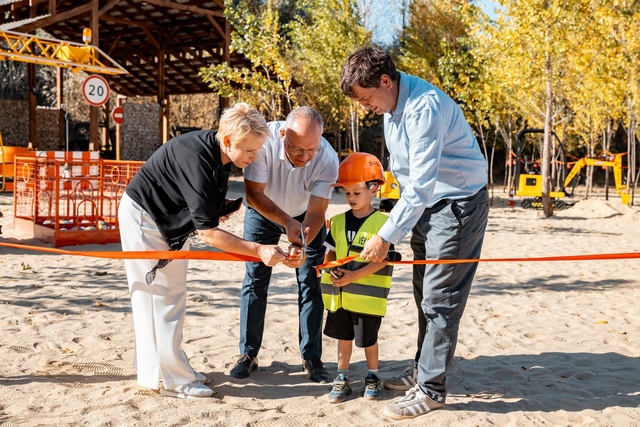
pixel 162 99
pixel 119 103
pixel 31 87
pixel 94 138
pixel 61 107
pixel 104 136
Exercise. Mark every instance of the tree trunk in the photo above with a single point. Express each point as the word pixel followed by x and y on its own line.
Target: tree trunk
pixel 632 174
pixel 547 205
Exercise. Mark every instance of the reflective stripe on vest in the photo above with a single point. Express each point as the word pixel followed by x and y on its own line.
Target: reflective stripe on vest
pixel 367 295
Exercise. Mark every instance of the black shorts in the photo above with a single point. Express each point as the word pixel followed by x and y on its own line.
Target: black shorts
pixel 348 326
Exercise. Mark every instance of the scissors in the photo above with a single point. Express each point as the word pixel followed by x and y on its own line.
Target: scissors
pixel 303 248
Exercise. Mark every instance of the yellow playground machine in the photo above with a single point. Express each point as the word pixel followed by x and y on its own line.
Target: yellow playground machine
pixel 389 192
pixel 528 178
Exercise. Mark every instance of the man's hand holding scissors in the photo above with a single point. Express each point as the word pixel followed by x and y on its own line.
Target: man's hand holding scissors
pixel 298 253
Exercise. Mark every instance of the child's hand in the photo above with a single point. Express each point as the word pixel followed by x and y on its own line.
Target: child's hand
pixel 346 277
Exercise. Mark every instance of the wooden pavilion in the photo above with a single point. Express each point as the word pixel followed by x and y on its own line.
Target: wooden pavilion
pixel 161 43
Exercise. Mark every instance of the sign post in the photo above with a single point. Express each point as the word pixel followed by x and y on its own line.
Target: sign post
pixel 95 90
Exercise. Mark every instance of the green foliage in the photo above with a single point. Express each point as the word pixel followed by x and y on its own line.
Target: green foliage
pixel 322 39
pixel 267 82
pixel 434 28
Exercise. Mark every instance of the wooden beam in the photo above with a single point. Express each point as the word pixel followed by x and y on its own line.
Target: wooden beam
pixel 151 38
pixel 218 28
pixel 113 45
pixel 128 22
pixel 107 6
pixel 169 37
pixel 192 9
pixel 59 17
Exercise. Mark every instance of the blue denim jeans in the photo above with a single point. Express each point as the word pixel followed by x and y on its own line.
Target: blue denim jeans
pixel 253 296
pixel 449 230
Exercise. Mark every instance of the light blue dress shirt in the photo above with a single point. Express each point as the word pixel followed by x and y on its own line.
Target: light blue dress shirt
pixel 288 186
pixel 434 154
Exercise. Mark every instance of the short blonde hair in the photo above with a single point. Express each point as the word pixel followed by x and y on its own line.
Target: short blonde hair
pixel 239 121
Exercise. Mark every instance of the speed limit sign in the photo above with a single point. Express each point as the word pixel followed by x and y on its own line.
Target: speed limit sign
pixel 95 90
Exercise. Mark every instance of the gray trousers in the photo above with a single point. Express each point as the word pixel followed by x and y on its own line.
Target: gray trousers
pixel 452 229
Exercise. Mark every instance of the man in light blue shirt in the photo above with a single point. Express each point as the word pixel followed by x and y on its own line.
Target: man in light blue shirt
pixel 444 202
pixel 288 188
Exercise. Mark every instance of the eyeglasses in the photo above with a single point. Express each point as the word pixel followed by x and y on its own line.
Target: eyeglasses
pixel 297 151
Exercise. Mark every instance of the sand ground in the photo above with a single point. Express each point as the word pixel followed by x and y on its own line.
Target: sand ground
pixel 541 343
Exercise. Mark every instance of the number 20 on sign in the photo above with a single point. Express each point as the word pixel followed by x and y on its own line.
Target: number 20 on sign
pixel 95 90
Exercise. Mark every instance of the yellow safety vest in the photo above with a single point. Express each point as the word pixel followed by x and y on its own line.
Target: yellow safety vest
pixel 367 295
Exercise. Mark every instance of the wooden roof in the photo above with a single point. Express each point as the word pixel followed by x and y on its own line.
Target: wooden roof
pixel 162 43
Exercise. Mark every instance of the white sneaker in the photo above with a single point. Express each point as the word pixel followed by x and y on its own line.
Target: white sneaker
pixel 405 380
pixel 413 404
pixel 200 377
pixel 192 390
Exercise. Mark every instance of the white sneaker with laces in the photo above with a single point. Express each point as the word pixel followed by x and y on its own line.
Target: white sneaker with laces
pixel 405 380
pixel 413 404
pixel 193 390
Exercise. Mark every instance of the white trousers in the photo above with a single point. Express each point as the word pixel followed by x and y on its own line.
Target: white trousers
pixel 158 309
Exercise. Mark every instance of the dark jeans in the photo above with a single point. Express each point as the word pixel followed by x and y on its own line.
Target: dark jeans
pixel 449 230
pixel 253 296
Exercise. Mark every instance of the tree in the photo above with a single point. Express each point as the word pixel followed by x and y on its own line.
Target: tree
pixel 322 39
pixel 546 50
pixel 267 83
pixel 433 27
pixel 624 21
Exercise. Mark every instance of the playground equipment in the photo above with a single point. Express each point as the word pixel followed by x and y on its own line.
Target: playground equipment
pixel 529 182
pixel 69 198
pixel 63 197
pixel 389 192
pixel 7 173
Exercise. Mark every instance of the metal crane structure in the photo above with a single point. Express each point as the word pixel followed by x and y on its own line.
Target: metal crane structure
pixel 58 53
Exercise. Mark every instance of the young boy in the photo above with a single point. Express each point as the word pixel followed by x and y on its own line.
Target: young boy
pixel 355 294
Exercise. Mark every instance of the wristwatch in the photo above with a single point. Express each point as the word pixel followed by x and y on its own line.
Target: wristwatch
pixel 386 242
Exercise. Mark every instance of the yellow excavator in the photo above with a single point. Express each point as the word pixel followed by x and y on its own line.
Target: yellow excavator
pixel 389 192
pixel 529 182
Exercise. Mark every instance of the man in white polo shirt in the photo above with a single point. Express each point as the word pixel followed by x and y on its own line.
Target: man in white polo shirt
pixel 288 189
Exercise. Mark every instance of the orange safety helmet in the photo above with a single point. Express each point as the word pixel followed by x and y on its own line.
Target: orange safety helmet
pixel 360 167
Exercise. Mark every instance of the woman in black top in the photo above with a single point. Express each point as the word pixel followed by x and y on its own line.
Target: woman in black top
pixel 180 191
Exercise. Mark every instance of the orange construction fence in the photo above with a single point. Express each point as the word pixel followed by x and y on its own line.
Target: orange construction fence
pixel 7 156
pixel 70 198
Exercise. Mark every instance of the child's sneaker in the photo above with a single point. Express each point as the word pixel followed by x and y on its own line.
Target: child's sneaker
pixel 372 389
pixel 340 389
pixel 405 380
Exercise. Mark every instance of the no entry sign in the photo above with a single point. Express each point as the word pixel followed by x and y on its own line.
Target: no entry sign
pixel 95 90
pixel 116 115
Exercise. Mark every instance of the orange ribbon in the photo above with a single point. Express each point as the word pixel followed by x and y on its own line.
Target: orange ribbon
pixel 200 255
pixel 228 256
pixel 592 257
